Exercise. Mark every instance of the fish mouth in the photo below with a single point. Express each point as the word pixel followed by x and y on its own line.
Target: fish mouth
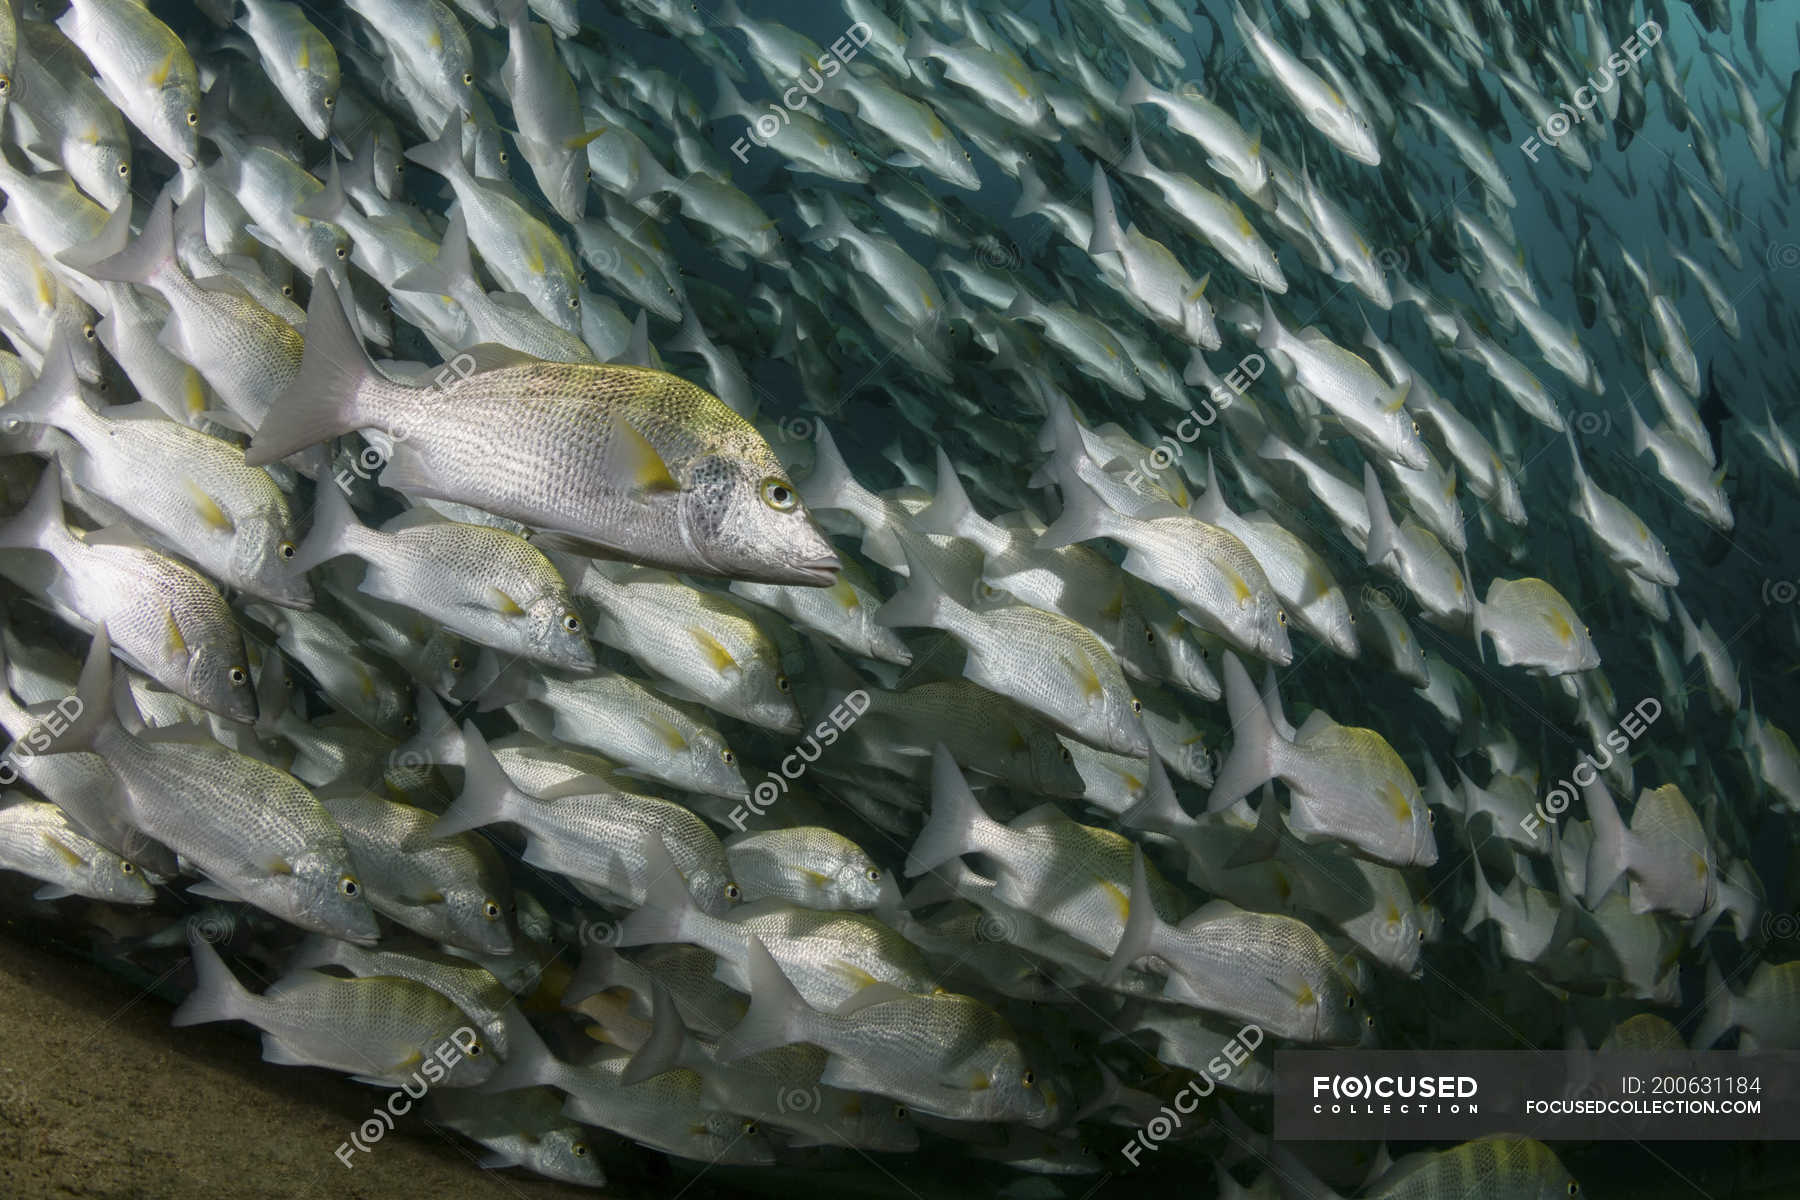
pixel 816 572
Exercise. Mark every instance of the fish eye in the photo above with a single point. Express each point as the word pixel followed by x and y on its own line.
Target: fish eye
pixel 193 118
pixel 124 170
pixel 578 1149
pixel 1350 1001
pixel 468 79
pixel 1430 818
pixel 1029 1078
pixel 87 331
pixel 750 1128
pixel 409 720
pixel 729 757
pixel 1421 936
pixel 873 874
pixel 237 676
pixel 490 910
pixel 571 622
pixel 341 252
pixel 126 868
pixel 330 102
pixel 5 85
pixel 286 550
pixel 456 663
pixel 1415 426
pixel 1574 1188
pixel 574 301
pixel 778 495
pixel 733 892
pixel 782 684
pixel 1137 706
pixel 1369 1021
pixel 1066 756
pixel 349 887
pixel 386 305
pixel 900 1113
pixel 287 289
pixel 475 1049
pixel 1281 616
pixel 1149 637
pixel 503 158
pixel 588 175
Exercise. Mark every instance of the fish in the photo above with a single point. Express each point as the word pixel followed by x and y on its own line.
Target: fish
pixel 379 1029
pixel 632 501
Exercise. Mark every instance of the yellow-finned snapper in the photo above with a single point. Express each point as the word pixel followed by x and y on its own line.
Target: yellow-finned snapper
pixel 258 833
pixel 380 1029
pixel 624 433
pixel 144 69
pixel 1260 967
pixel 945 1054
pixel 1045 661
pixel 37 840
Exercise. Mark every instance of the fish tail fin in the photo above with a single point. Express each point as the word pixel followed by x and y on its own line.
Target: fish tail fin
pixel 39 525
pixel 730 101
pixel 452 263
pixel 1382 535
pixel 217 994
pixel 1255 739
pixel 835 225
pixel 663 1049
pixel 95 693
pixel 1640 432
pixel 1135 162
pixel 664 914
pixel 498 686
pixel 1268 333
pixel 316 950
pixel 1157 810
pixel 1610 854
pixel 921 45
pixel 323 400
pixel 1141 923
pixel 949 510
pixel 831 482
pixel 1108 236
pixel 47 401
pixel 140 260
pixel 333 529
pixel 598 971
pixel 1084 516
pixel 1690 633
pixel 956 823
pixel 776 1014
pixel 528 1062
pixel 486 794
pixel 1482 906
pixel 1265 842
pixel 1137 89
pixel 1477 626
pixel 1022 308
pixel 922 602
pixel 691 337
pixel 1032 192
pixel 442 155
pixel 109 242
pixel 328 203
pixel 1720 1014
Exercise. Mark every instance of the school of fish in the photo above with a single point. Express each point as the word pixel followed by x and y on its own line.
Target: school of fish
pixel 763 574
